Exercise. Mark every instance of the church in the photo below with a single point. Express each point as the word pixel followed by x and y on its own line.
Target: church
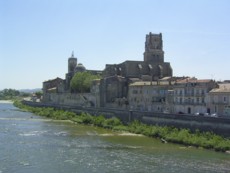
pixel 152 68
pixel 117 77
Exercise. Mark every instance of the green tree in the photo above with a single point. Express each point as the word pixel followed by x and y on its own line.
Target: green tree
pixel 81 82
pixel 38 94
pixel 9 93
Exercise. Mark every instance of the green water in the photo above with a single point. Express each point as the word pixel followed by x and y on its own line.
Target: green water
pixel 33 144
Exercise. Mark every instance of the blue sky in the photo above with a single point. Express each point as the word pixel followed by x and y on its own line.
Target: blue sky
pixel 38 36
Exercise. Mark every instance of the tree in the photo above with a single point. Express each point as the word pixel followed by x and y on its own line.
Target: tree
pixel 9 94
pixel 38 94
pixel 81 81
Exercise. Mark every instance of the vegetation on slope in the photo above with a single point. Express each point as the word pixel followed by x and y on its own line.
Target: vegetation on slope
pixel 206 140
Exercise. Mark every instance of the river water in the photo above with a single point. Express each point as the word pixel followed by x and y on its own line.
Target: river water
pixel 32 144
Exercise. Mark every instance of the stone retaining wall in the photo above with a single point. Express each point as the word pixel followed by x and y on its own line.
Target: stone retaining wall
pixel 220 125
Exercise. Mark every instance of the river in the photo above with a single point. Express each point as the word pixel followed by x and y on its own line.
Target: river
pixel 33 144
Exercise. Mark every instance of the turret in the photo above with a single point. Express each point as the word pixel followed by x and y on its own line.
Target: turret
pixel 72 63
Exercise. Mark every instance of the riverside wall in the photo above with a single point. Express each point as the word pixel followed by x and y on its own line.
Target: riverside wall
pixel 220 125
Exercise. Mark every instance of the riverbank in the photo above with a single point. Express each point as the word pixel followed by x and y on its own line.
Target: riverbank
pixel 6 101
pixel 207 140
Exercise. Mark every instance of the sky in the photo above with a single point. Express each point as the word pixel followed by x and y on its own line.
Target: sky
pixel 38 36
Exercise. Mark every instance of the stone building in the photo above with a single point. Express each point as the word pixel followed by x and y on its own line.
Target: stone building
pixel 153 96
pixel 112 90
pixel 189 95
pixel 218 99
pixel 152 67
pixel 117 77
pixel 51 86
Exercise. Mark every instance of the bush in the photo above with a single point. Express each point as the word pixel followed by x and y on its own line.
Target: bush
pixel 120 128
pixel 86 118
pixel 99 120
pixel 112 122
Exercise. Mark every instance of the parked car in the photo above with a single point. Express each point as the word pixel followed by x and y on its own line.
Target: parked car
pixel 214 115
pixel 206 114
pixel 197 113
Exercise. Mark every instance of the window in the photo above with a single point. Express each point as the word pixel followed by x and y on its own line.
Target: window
pixel 135 92
pixel 192 91
pixel 202 99
pixel 161 92
pixel 202 92
pixel 225 99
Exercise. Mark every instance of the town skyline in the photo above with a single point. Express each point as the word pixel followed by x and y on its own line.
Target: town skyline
pixel 38 37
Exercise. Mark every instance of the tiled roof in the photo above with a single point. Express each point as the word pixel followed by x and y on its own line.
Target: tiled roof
pixel 148 83
pixel 141 83
pixel 193 80
pixel 52 80
pixel 225 87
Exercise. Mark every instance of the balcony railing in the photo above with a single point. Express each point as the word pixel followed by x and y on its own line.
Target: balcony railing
pixel 188 103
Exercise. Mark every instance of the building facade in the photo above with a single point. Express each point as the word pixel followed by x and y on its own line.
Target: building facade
pixel 153 96
pixel 190 95
pixel 218 100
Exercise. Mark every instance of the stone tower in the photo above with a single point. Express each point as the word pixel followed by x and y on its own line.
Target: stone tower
pixel 72 63
pixel 154 48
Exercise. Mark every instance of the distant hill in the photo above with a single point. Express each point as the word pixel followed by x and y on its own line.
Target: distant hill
pixel 30 90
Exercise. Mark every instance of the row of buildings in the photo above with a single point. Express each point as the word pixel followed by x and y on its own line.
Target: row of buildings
pixel 184 95
pixel 147 85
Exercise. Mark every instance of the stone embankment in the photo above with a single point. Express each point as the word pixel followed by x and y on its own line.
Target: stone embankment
pixel 220 125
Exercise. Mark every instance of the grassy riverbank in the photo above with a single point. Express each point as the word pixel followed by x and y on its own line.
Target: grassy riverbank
pixel 206 140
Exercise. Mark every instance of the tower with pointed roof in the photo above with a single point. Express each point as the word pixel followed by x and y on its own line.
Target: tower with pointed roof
pixel 72 63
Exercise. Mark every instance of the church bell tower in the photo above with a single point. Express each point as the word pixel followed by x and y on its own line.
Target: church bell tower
pixel 154 48
pixel 72 63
